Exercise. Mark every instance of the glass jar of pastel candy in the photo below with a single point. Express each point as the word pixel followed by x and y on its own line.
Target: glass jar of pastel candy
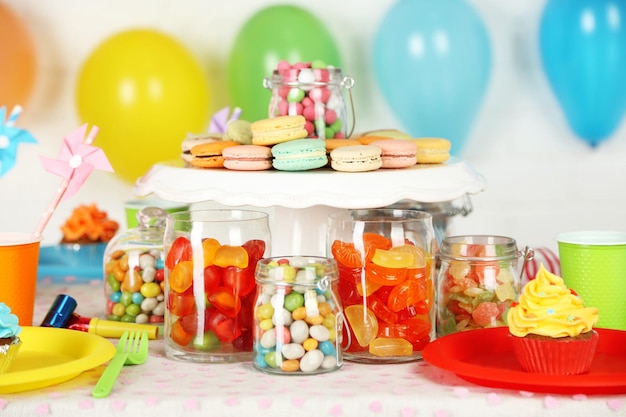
pixel 133 271
pixel 386 282
pixel 210 259
pixel 297 316
pixel 315 91
pixel 478 280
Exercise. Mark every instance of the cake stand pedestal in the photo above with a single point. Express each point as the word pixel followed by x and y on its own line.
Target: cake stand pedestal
pixel 299 202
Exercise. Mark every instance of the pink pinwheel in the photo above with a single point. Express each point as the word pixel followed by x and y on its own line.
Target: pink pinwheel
pixel 10 138
pixel 76 161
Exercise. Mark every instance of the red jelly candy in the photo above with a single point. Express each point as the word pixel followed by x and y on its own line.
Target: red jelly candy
pixel 240 281
pixel 225 301
pixel 486 313
pixel 179 251
pixel 225 328
pixel 181 304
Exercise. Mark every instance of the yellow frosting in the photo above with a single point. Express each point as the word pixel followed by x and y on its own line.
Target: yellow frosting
pixel 548 308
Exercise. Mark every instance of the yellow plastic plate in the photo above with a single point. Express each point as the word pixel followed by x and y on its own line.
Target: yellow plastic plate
pixel 49 356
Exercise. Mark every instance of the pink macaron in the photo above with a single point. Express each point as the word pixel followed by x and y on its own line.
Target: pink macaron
pixel 248 158
pixel 397 153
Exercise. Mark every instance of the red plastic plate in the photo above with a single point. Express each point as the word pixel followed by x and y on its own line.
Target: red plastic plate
pixel 485 357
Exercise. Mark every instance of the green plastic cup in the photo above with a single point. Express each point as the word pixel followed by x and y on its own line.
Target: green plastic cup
pixel 593 263
pixel 131 209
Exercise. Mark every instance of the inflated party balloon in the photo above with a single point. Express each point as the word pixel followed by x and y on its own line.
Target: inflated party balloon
pixel 583 51
pixel 17 60
pixel 273 34
pixel 432 61
pixel 145 92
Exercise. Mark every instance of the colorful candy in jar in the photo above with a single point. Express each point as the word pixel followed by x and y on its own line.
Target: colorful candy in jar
pixel 313 90
pixel 474 290
pixel 134 287
pixel 210 305
pixel 387 296
pixel 296 324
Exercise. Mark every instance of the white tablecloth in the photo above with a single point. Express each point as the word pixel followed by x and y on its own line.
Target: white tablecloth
pixel 163 387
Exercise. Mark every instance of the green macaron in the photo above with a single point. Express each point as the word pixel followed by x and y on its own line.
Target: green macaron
pixel 299 155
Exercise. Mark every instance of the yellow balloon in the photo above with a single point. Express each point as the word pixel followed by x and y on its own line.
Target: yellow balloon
pixel 145 92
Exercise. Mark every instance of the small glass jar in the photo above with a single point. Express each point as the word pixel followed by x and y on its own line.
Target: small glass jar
pixel 210 259
pixel 297 316
pixel 386 282
pixel 316 94
pixel 133 271
pixel 478 279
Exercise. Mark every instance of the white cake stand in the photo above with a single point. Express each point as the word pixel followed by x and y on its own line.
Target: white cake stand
pixel 300 202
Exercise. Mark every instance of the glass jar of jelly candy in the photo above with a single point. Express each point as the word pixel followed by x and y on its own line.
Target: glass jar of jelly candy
pixel 133 271
pixel 297 316
pixel 386 282
pixel 210 259
pixel 315 91
pixel 478 280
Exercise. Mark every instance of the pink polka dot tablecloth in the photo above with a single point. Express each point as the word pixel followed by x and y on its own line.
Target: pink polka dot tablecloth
pixel 164 387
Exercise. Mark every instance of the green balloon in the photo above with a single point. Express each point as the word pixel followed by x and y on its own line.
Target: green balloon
pixel 273 34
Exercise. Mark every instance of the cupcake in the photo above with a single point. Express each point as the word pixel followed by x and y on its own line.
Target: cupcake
pixel 551 331
pixel 9 341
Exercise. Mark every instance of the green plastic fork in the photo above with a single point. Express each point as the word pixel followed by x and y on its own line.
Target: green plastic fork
pixel 132 349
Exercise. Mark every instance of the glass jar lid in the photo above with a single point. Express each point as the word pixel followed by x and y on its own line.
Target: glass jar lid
pixel 478 248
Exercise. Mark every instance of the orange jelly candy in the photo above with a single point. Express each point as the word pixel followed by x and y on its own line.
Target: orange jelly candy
pixel 181 276
pixel 390 346
pixel 227 255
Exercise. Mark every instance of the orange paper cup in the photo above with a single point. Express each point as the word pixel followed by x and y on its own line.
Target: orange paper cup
pixel 19 257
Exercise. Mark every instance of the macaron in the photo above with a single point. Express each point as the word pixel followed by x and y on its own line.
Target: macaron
pixel 388 133
pixel 278 129
pixel 366 140
pixel 239 130
pixel 193 140
pixel 209 155
pixel 397 153
pixel 299 155
pixel 432 150
pixel 356 158
pixel 247 158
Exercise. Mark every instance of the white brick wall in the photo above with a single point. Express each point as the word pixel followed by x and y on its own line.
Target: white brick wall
pixel 542 180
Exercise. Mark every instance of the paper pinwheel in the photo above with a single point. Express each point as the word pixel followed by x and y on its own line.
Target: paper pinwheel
pixel 219 121
pixel 76 161
pixel 10 138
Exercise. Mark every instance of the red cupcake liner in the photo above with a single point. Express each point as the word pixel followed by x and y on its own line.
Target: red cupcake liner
pixel 558 356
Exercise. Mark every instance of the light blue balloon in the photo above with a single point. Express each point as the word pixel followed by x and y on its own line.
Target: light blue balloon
pixel 583 50
pixel 432 61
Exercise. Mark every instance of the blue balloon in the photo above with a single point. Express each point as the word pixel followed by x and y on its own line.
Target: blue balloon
pixel 432 61
pixel 583 50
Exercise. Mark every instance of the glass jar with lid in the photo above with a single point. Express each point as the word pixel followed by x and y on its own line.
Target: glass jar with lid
pixel 478 279
pixel 133 271
pixel 314 91
pixel 297 316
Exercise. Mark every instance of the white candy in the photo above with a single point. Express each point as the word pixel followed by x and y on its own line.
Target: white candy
pixel 159 310
pixel 319 333
pixel 311 360
pixel 284 319
pixel 299 330
pixel 148 274
pixel 268 340
pixel 148 304
pixel 142 318
pixel 146 261
pixel 293 351
pixel 329 362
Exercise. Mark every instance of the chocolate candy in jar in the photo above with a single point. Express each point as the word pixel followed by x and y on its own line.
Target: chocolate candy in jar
pixel 315 91
pixel 297 316
pixel 479 277
pixel 134 271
